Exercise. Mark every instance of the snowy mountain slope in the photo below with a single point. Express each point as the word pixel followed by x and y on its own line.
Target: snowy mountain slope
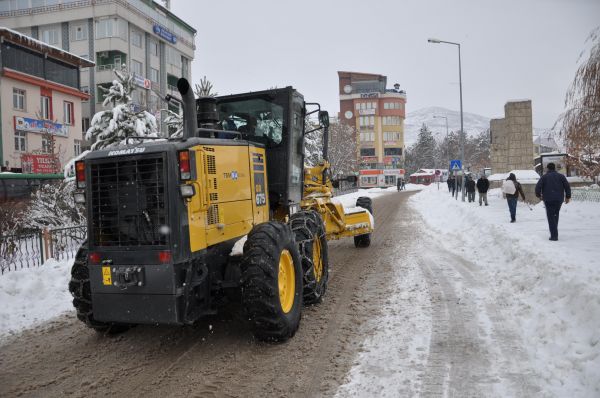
pixel 473 123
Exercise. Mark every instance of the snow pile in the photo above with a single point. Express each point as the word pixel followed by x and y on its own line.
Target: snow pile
pixel 551 290
pixel 349 200
pixel 522 176
pixel 33 295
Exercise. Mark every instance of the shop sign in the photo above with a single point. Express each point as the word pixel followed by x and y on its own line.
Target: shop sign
pixel 560 161
pixel 366 112
pixel 141 82
pixel 164 34
pixel 40 164
pixel 369 95
pixel 40 126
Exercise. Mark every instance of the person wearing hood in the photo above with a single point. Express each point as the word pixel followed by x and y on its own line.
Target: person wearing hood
pixel 483 185
pixel 554 189
pixel 511 190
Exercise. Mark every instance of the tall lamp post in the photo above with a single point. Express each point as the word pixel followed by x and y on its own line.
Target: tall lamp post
pixel 462 140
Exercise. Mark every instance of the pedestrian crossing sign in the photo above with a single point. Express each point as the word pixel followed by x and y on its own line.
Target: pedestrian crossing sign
pixel 455 165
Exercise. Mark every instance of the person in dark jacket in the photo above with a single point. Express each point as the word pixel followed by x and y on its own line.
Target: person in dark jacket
pixel 470 185
pixel 451 184
pixel 554 189
pixel 483 185
pixel 511 189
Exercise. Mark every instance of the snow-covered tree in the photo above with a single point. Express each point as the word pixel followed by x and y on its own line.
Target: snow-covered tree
pixel 174 122
pixel 113 126
pixel 204 89
pixel 342 150
pixel 580 124
pixel 52 206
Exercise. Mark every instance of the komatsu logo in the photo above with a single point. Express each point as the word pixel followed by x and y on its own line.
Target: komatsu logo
pixel 129 151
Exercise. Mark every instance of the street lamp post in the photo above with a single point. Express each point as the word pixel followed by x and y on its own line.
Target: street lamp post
pixel 462 140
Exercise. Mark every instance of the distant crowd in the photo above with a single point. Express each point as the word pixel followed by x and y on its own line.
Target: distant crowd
pixel 552 188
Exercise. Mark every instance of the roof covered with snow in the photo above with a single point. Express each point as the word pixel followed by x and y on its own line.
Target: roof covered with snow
pixel 33 44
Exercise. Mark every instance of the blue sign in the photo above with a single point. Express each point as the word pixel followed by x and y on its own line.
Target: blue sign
pixel 165 34
pixel 455 165
pixel 40 126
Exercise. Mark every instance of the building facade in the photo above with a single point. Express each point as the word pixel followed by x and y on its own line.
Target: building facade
pixel 511 138
pixel 377 113
pixel 153 43
pixel 40 104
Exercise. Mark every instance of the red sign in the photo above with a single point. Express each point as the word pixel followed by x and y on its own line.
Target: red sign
pixel 40 164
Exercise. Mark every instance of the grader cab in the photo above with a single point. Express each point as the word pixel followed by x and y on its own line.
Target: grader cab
pixel 166 219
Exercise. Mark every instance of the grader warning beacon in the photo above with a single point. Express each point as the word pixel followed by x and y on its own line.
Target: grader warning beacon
pixel 164 216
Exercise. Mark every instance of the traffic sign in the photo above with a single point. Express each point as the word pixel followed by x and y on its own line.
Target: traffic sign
pixel 455 165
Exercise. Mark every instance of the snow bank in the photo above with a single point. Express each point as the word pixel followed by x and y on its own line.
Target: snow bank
pixel 349 200
pixel 33 295
pixel 550 290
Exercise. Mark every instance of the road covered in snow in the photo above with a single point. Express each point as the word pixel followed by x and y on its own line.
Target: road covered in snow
pixel 493 308
pixel 450 300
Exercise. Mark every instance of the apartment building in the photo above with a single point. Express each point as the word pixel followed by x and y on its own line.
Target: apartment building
pixel 40 104
pixel 152 42
pixel 377 113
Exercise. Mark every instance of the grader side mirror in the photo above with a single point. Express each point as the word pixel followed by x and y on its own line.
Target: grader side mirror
pixel 324 118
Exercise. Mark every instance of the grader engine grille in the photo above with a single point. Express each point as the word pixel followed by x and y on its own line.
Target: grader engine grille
pixel 128 203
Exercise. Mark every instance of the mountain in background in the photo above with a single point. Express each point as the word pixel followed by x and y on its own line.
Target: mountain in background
pixel 473 124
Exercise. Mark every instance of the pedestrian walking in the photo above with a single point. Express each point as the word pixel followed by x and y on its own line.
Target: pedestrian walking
pixel 470 185
pixel 403 184
pixel 450 183
pixel 554 189
pixel 399 184
pixel 511 190
pixel 483 185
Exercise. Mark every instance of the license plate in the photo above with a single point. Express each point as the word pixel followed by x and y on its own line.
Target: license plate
pixel 106 276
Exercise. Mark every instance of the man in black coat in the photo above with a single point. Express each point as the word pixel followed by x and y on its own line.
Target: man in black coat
pixel 554 189
pixel 470 185
pixel 483 185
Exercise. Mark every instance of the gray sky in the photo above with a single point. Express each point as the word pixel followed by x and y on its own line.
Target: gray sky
pixel 511 49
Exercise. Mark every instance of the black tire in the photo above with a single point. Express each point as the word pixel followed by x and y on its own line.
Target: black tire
pixel 364 240
pixel 308 226
pixel 79 286
pixel 263 253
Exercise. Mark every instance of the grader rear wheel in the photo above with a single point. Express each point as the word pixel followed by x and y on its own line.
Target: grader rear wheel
pixel 272 281
pixel 309 233
pixel 79 286
pixel 364 240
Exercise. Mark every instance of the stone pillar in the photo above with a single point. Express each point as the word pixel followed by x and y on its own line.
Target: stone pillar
pixel 520 135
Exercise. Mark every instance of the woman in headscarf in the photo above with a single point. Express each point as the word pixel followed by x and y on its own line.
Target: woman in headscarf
pixel 511 190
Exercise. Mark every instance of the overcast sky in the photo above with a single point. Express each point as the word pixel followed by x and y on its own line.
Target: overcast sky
pixel 511 49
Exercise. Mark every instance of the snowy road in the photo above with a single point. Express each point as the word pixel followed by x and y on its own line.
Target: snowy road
pixel 404 317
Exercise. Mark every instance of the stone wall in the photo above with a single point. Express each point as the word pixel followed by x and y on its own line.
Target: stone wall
pixel 512 138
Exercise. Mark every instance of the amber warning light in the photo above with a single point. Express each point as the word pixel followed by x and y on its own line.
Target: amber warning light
pixel 184 165
pixel 80 174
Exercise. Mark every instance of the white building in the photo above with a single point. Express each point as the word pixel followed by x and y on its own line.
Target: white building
pixel 143 35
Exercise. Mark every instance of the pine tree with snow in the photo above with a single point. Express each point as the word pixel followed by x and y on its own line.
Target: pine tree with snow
pixel 113 126
pixel 174 122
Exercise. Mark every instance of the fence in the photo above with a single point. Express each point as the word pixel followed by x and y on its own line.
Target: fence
pixel 32 249
pixel 585 194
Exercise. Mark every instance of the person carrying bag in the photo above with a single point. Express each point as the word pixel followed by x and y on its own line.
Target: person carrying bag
pixel 511 190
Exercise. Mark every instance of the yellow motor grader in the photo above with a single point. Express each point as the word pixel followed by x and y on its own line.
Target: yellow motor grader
pixel 166 218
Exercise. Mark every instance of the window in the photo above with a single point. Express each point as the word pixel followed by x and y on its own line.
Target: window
pixel 136 67
pixel 367 151
pixel 391 136
pixel 368 180
pixel 68 113
pixel 367 120
pixel 391 120
pixel 367 137
pixel 154 75
pixel 111 27
pixel 77 147
pixel 50 35
pixel 20 141
pixel 153 48
pixel 46 145
pixel 85 124
pixel 392 151
pixel 18 99
pixel 173 57
pixel 80 32
pixel 46 107
pixel 136 38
